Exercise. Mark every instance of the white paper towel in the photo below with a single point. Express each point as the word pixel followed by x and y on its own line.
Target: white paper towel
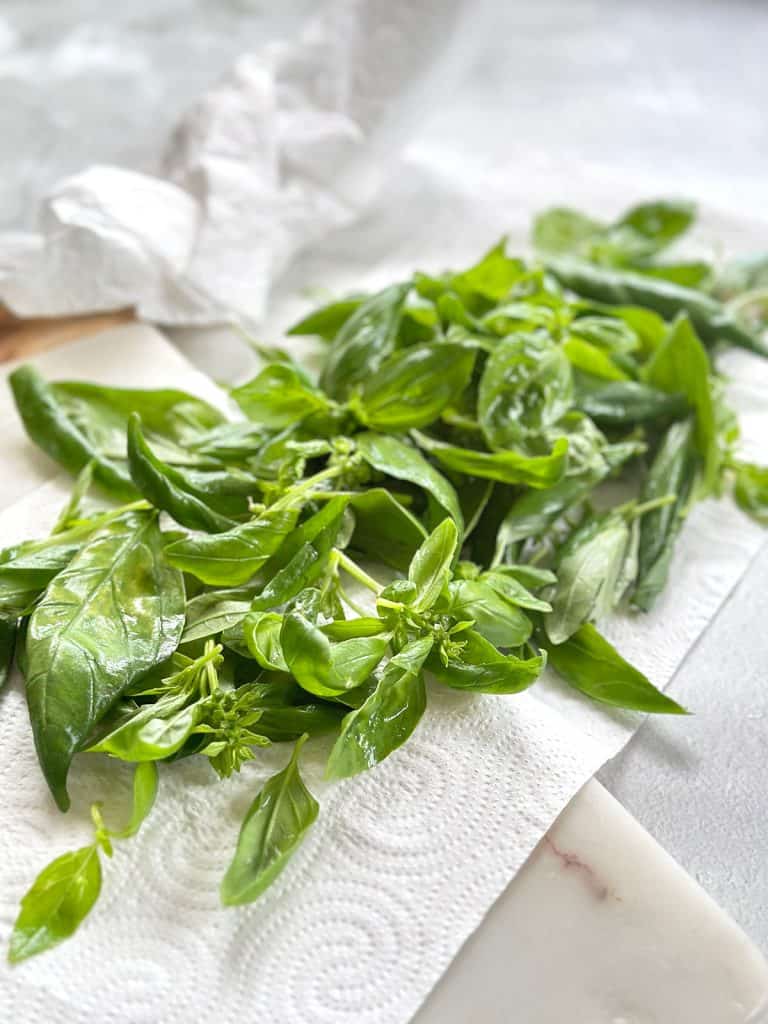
pixel 293 143
pixel 403 862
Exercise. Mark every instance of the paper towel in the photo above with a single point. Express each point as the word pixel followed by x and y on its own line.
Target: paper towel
pixel 403 862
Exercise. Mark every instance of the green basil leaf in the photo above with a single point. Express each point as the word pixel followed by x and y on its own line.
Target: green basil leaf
pixel 288 722
pixel 589 664
pixel 145 782
pixel 562 231
pixel 232 558
pixel 262 636
pixel 327 321
pixel 164 486
pixel 525 388
pixel 587 576
pixel 751 490
pixel 538 471
pixel 673 472
pixel 273 829
pixel 8 632
pixel 384 529
pixel 387 718
pixel 681 366
pixel 490 280
pixel 346 629
pixel 278 396
pixel 592 360
pixel 57 903
pixel 495 618
pixel 412 388
pixel 153 732
pixel 660 222
pixel 626 403
pixel 483 669
pixel 214 611
pixel 397 459
pixel 116 611
pixel 430 568
pixel 505 581
pixel 365 340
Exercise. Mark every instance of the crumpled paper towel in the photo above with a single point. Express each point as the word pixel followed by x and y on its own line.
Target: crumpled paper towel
pixel 293 143
pixel 403 861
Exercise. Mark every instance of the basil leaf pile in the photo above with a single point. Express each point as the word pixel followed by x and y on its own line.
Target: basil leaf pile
pixel 489 464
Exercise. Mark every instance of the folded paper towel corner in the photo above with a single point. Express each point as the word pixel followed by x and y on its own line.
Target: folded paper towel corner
pixel 293 143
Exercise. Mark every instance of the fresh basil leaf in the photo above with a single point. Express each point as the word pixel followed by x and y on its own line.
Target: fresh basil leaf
pixel 327 321
pixel 384 529
pixel 494 617
pixel 387 718
pixel 430 568
pixel 505 582
pixel 507 467
pixel 481 668
pixel 587 576
pixel 530 576
pixel 231 558
pixel 589 664
pixel 164 486
pixel 397 459
pixel 282 723
pixel 279 397
pixel 489 280
pixel 681 366
pixel 145 782
pixel 73 510
pixel 673 472
pixel 152 732
pixel 8 633
pixel 562 231
pixel 592 360
pixel 214 611
pixel 751 490
pixel 525 388
pixel 626 403
pixel 691 274
pixel 411 388
pixel 262 636
pixel 273 829
pixel 110 616
pixel 346 629
pixel 660 222
pixel 57 903
pixel 365 340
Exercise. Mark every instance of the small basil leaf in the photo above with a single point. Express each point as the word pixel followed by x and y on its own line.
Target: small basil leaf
pixel 279 397
pixel 214 611
pixel 346 629
pixel 387 718
pixel 145 782
pixel 673 472
pixel 115 612
pixel 540 471
pixel 589 664
pixel 327 321
pixel 153 732
pixel 365 340
pixel 262 635
pixel 412 388
pixel 483 669
pixel 592 360
pixel 430 568
pixel 231 558
pixel 505 582
pixel 273 829
pixel 495 618
pixel 397 459
pixel 587 576
pixel 57 903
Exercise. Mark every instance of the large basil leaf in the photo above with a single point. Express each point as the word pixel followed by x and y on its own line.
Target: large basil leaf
pixel 589 664
pixel 279 396
pixel 365 340
pixel 110 616
pixel 525 388
pixel 496 618
pixel 231 558
pixel 384 529
pixel 505 467
pixel 411 388
pixel 387 718
pixel 273 829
